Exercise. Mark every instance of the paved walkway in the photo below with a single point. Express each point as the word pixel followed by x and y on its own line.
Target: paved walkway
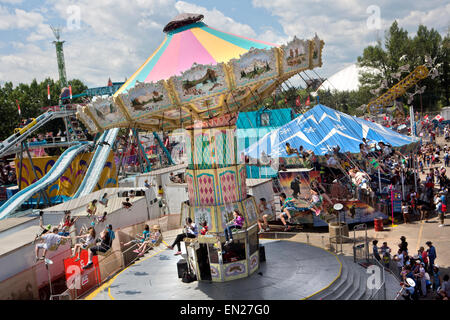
pixel 288 265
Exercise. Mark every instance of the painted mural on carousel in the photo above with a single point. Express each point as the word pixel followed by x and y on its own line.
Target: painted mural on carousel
pixel 146 98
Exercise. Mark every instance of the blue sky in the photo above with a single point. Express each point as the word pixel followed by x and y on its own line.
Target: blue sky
pixel 115 37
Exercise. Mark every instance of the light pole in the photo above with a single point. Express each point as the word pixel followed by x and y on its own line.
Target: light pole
pixel 47 262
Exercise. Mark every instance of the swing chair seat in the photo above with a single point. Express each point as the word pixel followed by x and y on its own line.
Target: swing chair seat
pixel 104 254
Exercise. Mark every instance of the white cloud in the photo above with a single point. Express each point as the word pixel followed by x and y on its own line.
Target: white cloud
pixel 19 19
pixel 216 19
pixel 343 24
pixel 438 18
pixel 11 1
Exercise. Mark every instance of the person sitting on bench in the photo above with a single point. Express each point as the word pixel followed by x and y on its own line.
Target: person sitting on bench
pixel 236 223
pixel 104 247
pixel 190 231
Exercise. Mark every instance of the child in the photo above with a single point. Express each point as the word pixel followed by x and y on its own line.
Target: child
pixel 102 218
pixel 104 200
pixel 144 237
pixel 405 211
pixel 316 202
pixel 153 237
pixel 65 230
pixel 92 208
pixel 204 229
pixel 88 242
pixel 236 223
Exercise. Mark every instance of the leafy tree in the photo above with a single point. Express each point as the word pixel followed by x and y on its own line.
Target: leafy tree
pixel 32 99
pixel 399 50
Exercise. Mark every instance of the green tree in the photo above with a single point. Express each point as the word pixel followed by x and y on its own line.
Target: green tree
pixel 385 63
pixel 32 99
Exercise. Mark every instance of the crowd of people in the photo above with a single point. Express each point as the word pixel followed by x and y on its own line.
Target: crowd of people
pixel 7 174
pixel 51 237
pixel 419 274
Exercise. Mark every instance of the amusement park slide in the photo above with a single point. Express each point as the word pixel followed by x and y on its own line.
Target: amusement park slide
pixel 97 163
pixel 26 131
pixel 52 175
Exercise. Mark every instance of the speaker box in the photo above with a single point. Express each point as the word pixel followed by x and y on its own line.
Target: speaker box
pixel 182 267
pixel 262 254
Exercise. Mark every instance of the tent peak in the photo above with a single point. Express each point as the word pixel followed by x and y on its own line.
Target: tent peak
pixel 182 20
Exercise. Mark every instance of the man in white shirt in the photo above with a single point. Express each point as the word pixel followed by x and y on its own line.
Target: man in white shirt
pixel 50 240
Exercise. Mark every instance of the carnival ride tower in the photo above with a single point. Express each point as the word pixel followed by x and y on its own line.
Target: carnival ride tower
pixel 60 56
pixel 199 79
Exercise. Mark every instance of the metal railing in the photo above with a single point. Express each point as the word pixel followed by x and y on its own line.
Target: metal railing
pixel 380 292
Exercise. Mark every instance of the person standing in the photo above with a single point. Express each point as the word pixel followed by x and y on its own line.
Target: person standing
pixel 375 250
pixel 431 255
pixel 403 244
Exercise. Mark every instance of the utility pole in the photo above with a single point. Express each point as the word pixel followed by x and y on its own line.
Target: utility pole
pixel 60 56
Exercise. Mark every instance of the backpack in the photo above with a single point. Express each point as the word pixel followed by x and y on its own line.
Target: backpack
pixel 188 277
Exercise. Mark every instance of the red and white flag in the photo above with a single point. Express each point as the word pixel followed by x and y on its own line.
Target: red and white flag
pixel 425 118
pixel 18 107
pixel 439 118
pixel 48 92
pixel 298 103
pixel 70 90
pixel 307 103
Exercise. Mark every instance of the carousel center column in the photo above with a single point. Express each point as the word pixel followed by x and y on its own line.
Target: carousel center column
pixel 216 187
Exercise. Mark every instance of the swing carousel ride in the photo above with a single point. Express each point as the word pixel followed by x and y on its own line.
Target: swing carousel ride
pixel 198 79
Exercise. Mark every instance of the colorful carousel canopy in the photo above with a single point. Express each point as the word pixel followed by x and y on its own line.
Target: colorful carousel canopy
pixel 199 72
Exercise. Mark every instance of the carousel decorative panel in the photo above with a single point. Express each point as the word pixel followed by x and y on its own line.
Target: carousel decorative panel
pixel 251 211
pixel 295 55
pixel 191 187
pixel 106 112
pixel 206 188
pixel 254 66
pixel 199 82
pixel 202 214
pixel 242 184
pixel 146 98
pixel 316 52
pixel 228 185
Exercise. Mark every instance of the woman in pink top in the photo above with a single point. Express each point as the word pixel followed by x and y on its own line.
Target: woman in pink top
pixel 236 223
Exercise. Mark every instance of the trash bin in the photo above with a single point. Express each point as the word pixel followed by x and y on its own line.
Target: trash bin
pixel 378 224
pixel 336 230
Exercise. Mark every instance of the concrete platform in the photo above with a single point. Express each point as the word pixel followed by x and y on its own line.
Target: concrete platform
pixel 292 271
